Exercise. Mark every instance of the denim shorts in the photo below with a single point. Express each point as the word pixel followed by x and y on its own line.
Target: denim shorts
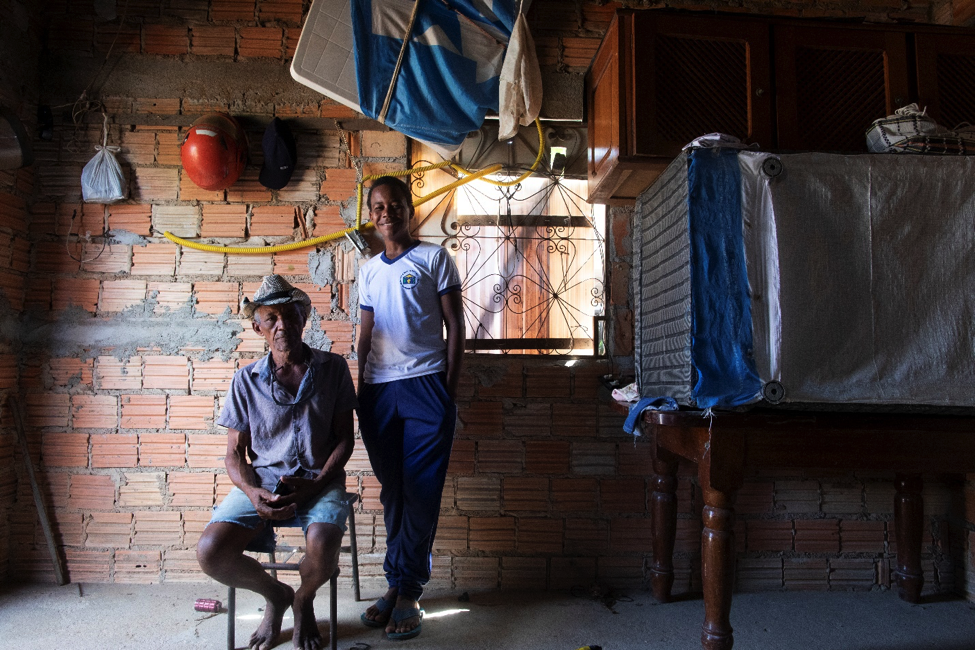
pixel 329 508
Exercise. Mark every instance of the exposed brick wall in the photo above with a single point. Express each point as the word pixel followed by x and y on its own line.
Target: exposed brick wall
pixel 20 40
pixel 129 347
pixel 129 342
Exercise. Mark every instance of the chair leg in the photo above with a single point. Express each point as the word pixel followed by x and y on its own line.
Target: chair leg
pixel 355 555
pixel 333 612
pixel 231 618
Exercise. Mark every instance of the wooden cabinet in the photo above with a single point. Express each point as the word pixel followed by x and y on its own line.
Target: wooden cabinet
pixel 708 75
pixel 605 107
pixel 832 83
pixel 660 80
pixel 946 76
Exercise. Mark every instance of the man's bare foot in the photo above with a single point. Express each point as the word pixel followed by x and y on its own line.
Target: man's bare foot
pixel 405 624
pixel 373 613
pixel 274 609
pixel 306 634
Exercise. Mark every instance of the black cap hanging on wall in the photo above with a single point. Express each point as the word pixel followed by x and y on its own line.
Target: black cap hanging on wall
pixel 280 155
pixel 15 149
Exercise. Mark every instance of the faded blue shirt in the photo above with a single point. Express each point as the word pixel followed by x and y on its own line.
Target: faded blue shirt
pixel 290 435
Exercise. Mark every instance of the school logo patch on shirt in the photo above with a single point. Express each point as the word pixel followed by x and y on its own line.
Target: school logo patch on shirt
pixel 409 279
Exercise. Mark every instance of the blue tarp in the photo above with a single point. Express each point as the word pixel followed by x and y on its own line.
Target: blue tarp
pixel 632 423
pixel 721 321
pixel 490 13
pixel 450 72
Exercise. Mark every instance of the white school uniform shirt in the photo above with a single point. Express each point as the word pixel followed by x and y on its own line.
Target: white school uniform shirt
pixel 403 295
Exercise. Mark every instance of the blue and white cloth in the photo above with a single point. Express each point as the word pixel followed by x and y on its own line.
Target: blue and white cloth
pixel 450 71
pixel 632 423
pixel 721 332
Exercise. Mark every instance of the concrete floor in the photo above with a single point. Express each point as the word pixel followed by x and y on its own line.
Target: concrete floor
pixel 118 617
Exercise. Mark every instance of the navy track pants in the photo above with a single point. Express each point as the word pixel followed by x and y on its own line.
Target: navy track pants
pixel 407 427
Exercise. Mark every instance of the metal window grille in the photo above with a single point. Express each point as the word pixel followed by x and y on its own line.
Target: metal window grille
pixel 532 261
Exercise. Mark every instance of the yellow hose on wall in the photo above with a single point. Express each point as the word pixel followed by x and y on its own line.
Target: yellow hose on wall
pixel 262 250
pixel 315 241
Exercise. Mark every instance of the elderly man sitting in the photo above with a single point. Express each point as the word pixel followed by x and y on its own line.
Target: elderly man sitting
pixel 290 414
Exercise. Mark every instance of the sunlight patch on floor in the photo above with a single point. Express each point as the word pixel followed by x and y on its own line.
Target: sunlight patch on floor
pixel 444 612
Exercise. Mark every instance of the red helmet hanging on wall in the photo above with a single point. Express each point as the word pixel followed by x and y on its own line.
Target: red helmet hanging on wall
pixel 214 151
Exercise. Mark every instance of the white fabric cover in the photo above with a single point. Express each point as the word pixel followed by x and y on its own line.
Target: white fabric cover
pixel 862 275
pixel 520 92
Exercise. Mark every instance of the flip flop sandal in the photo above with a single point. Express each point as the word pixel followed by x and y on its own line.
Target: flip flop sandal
pixel 383 606
pixel 401 615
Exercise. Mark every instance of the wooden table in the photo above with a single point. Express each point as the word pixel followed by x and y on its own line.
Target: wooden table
pixel 726 446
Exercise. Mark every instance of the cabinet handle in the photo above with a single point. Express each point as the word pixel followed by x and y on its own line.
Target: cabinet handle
pixel 759 92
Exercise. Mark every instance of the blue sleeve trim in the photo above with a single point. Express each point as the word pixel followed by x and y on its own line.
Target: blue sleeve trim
pixel 450 289
pixel 365 308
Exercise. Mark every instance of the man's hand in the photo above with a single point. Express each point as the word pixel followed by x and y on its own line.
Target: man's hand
pixel 302 489
pixel 267 504
pixel 272 506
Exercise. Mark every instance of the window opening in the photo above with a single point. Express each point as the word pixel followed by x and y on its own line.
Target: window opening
pixel 531 259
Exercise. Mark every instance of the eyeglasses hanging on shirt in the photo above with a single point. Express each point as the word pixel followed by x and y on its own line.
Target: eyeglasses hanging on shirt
pixel 305 388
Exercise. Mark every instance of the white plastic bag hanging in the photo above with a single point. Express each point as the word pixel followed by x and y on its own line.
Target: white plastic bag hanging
pixel 102 180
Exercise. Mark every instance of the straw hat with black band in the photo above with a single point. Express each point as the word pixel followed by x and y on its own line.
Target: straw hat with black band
pixel 274 290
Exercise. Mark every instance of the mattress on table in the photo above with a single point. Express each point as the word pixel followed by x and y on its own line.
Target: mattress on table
pixel 807 279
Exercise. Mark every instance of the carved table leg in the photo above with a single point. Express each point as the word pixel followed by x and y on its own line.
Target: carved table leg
pixel 663 508
pixel 717 568
pixel 909 525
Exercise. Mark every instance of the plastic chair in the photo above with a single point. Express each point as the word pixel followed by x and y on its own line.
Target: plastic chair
pixel 263 544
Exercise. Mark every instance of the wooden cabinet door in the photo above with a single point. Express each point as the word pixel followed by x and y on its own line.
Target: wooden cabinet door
pixel 604 94
pixel 692 76
pixel 946 77
pixel 832 83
